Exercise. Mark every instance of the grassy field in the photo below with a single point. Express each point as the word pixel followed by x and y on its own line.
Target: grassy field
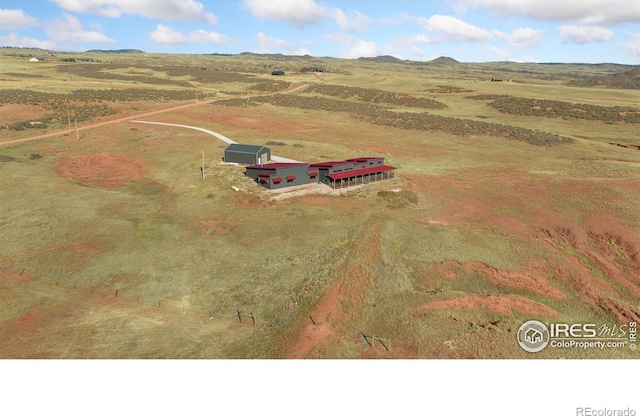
pixel 502 210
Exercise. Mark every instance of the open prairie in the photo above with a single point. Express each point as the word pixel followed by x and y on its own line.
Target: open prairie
pixel 514 200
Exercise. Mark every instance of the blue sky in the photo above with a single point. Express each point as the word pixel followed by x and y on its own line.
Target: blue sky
pixel 590 31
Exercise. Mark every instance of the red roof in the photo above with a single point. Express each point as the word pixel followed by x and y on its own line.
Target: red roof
pixel 360 172
pixel 364 159
pixel 331 164
pixel 274 166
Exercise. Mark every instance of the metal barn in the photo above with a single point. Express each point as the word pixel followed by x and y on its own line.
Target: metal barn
pixel 247 154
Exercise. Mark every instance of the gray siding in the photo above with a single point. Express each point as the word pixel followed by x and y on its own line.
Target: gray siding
pixel 247 154
pixel 282 177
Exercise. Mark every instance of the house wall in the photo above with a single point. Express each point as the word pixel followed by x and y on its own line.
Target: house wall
pixel 323 171
pixel 263 156
pixel 244 158
pixel 369 162
pixel 301 174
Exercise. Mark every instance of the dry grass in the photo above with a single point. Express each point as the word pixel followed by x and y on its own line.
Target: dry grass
pixel 469 218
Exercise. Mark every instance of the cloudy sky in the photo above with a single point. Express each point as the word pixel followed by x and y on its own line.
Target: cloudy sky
pixel 590 31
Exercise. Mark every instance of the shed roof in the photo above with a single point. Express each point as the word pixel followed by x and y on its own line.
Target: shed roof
pixel 244 148
pixel 360 172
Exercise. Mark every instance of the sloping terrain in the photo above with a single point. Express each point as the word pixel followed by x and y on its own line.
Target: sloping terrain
pixel 115 247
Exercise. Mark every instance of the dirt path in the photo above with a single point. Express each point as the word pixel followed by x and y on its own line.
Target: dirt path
pixel 165 110
pixel 213 133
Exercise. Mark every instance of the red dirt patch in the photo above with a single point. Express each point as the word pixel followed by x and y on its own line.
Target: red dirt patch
pixel 345 298
pixel 237 118
pixel 527 282
pixel 13 113
pixel 102 170
pixel 602 264
pixel 515 280
pixel 215 227
pixel 505 305
pixel 8 277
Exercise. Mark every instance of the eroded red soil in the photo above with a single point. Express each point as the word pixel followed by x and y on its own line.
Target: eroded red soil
pixel 345 298
pixel 101 170
pixel 506 305
pixel 599 252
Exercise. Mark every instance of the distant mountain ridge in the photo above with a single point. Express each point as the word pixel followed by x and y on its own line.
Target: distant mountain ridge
pixel 624 80
pixel 383 59
pixel 444 61
pixel 115 51
pixel 388 59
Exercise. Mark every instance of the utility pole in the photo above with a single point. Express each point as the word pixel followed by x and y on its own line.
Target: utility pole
pixel 204 175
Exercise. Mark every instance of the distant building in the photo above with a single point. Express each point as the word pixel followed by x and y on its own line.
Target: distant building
pixel 37 59
pixel 247 154
pixel 277 72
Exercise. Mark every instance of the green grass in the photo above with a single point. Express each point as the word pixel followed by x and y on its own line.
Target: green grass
pixel 185 254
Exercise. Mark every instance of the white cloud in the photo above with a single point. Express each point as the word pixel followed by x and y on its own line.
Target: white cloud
pixel 168 36
pixel 454 29
pixel 14 40
pixel 267 43
pixel 581 35
pixel 72 30
pixel 503 53
pixel 407 47
pixel 522 37
pixel 204 37
pixel 585 11
pixel 188 10
pixel 13 19
pixel 633 47
pixel 525 59
pixel 356 47
pixel 301 13
pixel 353 21
pixel 490 52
